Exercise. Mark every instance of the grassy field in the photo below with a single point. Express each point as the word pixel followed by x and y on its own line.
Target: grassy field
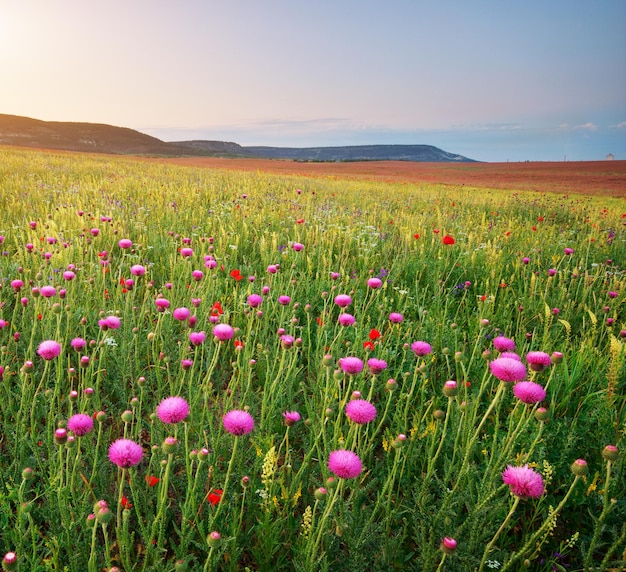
pixel 224 370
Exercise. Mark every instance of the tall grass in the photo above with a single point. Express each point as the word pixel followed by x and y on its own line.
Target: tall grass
pixel 432 461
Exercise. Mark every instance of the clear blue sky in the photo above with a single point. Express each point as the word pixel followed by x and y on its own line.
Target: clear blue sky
pixel 493 80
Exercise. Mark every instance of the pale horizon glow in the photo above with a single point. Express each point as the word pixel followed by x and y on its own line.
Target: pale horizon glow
pixel 490 80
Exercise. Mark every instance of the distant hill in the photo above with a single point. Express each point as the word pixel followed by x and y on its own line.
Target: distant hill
pixel 102 138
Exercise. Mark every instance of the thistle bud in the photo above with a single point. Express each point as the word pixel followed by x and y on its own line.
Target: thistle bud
pixel 127 416
pixel 170 445
pixel 542 414
pixel 448 545
pixel 60 436
pixel 9 562
pixel 320 493
pixel 214 539
pixel 450 388
pixel 610 453
pixel 579 467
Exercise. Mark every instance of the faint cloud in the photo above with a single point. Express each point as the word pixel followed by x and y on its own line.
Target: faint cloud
pixel 621 125
pixel 586 126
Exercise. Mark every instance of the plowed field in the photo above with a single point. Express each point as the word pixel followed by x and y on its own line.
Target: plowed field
pixel 584 177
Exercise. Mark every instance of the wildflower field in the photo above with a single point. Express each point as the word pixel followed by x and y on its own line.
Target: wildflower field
pixel 217 370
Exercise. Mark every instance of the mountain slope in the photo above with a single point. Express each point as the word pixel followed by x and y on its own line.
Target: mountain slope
pixel 102 138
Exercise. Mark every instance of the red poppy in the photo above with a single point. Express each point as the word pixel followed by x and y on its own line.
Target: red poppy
pixel 368 345
pixel 416 236
pixel 236 275
pixel 214 496
pixel 216 308
pixel 447 239
pixel 319 321
pixel 436 230
pixel 122 281
pixel 151 480
pixel 374 334
pixel 300 221
pixel 39 317
pixel 126 503
pixel 238 344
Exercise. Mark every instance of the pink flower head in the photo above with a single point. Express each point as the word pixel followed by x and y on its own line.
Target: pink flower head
pixel 343 300
pixel 80 424
pixel 511 355
pixel 162 304
pixel 49 349
pixel 255 300
pixel 48 291
pixel 395 318
pixel 523 481
pixel 374 283
pixel 538 361
pixel 69 275
pixel 223 332
pixel 421 349
pixel 298 246
pixel 125 453
pixel 238 422
pixel 346 319
pixel 508 369
pixel 503 344
pixel 291 418
pixel 360 411
pixel 376 365
pixel 125 243
pixel 17 285
pixel 137 270
pixel 351 365
pixel 345 464
pixel 568 251
pixel 197 338
pixel 181 314
pixel 173 410
pixel 284 300
pixel 113 322
pixel 186 252
pixel 529 392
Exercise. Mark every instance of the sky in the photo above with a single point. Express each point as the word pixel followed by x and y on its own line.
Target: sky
pixel 494 80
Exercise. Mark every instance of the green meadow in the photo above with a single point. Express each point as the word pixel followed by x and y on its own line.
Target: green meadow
pixel 454 457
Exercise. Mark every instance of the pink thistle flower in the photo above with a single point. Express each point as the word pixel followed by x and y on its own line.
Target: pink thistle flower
pixel 113 322
pixel 396 318
pixel 48 291
pixel 80 424
pixel 137 270
pixel 360 411
pixel 524 482
pixel 197 338
pixel 376 365
pixel 298 246
pixel 125 453
pixel 238 422
pixel 223 332
pixel 511 355
pixel 125 243
pixel 508 369
pixel 162 304
pixel 255 300
pixel 291 418
pixel 284 300
pixel 49 349
pixel 69 275
pixel 343 300
pixel 503 344
pixel 345 464
pixel 351 365
pixel 538 361
pixel 197 275
pixel 172 410
pixel 186 252
pixel 346 319
pixel 181 314
pixel 17 285
pixel 374 283
pixel 529 392
pixel 421 349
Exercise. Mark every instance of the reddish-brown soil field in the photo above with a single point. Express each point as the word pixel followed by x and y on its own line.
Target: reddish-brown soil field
pixel 602 178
